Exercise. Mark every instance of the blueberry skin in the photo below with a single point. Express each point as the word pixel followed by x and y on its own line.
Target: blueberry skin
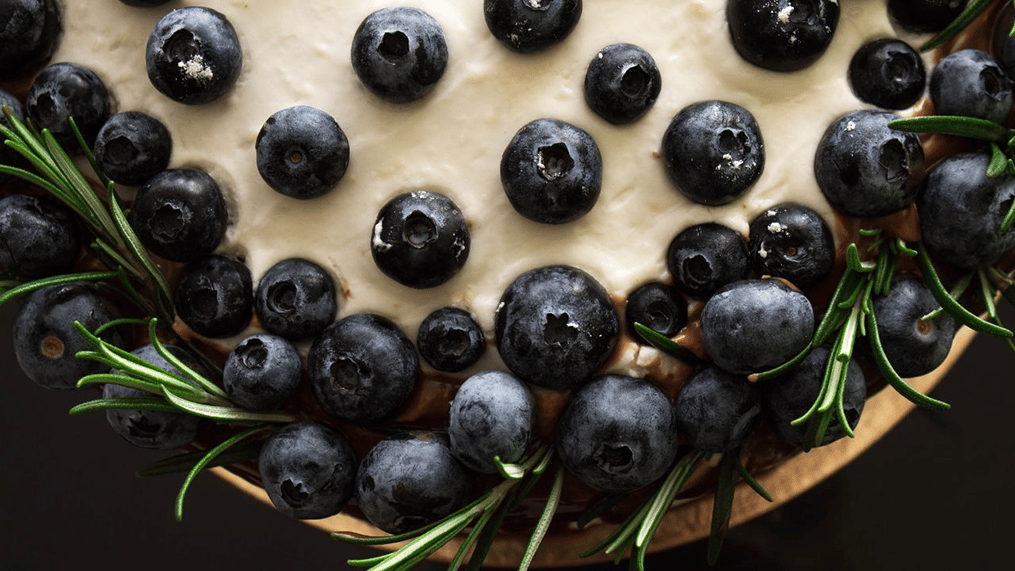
pixel 961 211
pixel 617 434
pixel 913 346
pixel 302 152
pixel 154 429
pixel 193 55
pixel 622 83
pixel 866 169
pixel 656 306
pixel 214 296
pixel 713 152
pixel 62 90
pixel 717 411
pixel 923 16
pixel 180 214
pixel 45 341
pixel 552 171
pixel 529 26
pixel 296 299
pixel 420 239
pixel 888 73
pixel 705 257
pixel 555 326
pixel 362 368
pixel 753 325
pixel 408 481
pixel 308 470
pixel 970 83
pixel 764 35
pixel 262 372
pixel 30 35
pixel 132 147
pixel 491 415
pixel 399 54
pixel 792 242
pixel 788 397
pixel 450 340
pixel 39 236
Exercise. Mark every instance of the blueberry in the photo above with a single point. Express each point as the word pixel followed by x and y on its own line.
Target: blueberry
pixel 420 239
pixel 180 214
pixel 214 296
pixel 787 398
pixel 45 341
pixel 491 415
pixel 656 306
pixel 922 16
pixel 914 346
pixel 622 83
pixel 753 325
pixel 132 147
pixel 399 54
pixel 450 340
pixel 529 26
pixel 617 434
pixel 971 83
pixel 713 152
pixel 193 55
pixel 705 257
pixel 302 152
pixel 39 237
pixel 29 36
pixel 866 169
pixel 62 90
pixel 782 35
pixel 961 211
pixel 308 470
pixel 887 73
pixel 552 171
pixel 362 368
pixel 296 299
pixel 555 326
pixel 408 481
pixel 792 242
pixel 717 411
pixel 154 429
pixel 262 372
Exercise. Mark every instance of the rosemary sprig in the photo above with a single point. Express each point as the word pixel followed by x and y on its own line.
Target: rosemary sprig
pixel 1000 138
pixel 667 345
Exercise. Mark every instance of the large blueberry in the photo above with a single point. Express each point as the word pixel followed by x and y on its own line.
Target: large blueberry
pixel 888 73
pixel 399 53
pixel 555 326
pixel 262 372
pixel 132 147
pixel 214 296
pixel 362 368
pixel 420 239
pixel 713 152
pixel 29 36
pixel 529 26
pixel 617 434
pixel 552 171
pixel 914 346
pixel 782 35
pixel 39 236
pixel 867 169
pixel 717 411
pixel 753 325
pixel 622 83
pixel 63 90
pixel 491 415
pixel 296 299
pixel 449 339
pixel 308 470
pixel 408 481
pixel 922 16
pixel 961 211
pixel 792 242
pixel 180 214
pixel 971 83
pixel 302 152
pixel 705 257
pixel 193 55
pixel 45 340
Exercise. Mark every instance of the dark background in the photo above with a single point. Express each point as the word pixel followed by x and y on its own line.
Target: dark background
pixel 935 493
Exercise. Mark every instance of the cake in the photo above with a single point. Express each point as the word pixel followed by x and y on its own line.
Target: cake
pixel 477 108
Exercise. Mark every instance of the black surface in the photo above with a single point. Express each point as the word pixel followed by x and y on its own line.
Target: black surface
pixel 935 493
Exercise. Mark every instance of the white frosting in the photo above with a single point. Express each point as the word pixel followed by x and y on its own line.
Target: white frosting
pixel 452 141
